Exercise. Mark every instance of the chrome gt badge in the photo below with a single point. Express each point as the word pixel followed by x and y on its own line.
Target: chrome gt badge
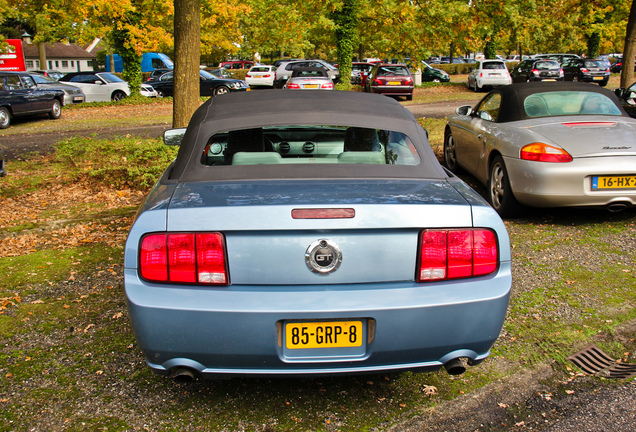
pixel 323 257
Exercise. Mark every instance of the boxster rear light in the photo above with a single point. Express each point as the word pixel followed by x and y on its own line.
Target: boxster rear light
pixel 456 253
pixel 194 258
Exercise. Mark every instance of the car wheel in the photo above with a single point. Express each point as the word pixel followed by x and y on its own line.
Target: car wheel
pixel 499 192
pixel 575 79
pixel 603 83
pixel 56 110
pixel 436 80
pixel 160 93
pixel 117 96
pixel 477 88
pixel 450 153
pixel 409 97
pixel 221 90
pixel 5 118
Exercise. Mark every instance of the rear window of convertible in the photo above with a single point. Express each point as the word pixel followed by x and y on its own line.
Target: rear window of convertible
pixel 309 145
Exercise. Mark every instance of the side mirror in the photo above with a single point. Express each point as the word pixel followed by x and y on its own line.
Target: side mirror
pixel 464 110
pixel 173 137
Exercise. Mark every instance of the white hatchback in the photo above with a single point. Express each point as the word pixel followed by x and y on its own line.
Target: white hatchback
pixel 489 73
pixel 261 76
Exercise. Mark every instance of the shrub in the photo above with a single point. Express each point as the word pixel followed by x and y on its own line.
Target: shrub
pixel 122 162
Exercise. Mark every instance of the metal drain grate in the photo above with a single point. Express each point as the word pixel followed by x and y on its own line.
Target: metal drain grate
pixel 593 361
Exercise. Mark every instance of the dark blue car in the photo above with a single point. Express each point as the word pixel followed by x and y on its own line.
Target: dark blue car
pixel 20 95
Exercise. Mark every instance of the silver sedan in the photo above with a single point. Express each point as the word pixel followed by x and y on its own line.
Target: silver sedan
pixel 546 145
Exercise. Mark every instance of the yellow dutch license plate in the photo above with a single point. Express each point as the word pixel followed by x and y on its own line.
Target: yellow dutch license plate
pixel 395 82
pixel 614 182
pixel 337 334
pixel 598 78
pixel 311 85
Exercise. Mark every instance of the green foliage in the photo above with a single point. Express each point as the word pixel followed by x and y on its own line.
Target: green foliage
pixel 593 44
pixel 122 162
pixel 346 20
pixel 490 49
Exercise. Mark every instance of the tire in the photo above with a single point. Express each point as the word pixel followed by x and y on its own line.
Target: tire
pixel 477 88
pixel 575 79
pixel 603 83
pixel 5 118
pixel 160 93
pixel 409 97
pixel 450 153
pixel 56 110
pixel 500 194
pixel 117 95
pixel 221 90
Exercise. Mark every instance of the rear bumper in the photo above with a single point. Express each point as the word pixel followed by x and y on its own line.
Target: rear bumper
pixel 392 90
pixel 540 184
pixel 237 330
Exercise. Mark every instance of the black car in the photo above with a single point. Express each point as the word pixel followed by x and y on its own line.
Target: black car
pixel 20 95
pixel 2 171
pixel 586 70
pixel 210 85
pixel 156 73
pixel 628 99
pixel 537 70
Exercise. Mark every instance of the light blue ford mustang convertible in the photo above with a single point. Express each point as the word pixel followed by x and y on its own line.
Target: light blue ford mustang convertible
pixel 321 237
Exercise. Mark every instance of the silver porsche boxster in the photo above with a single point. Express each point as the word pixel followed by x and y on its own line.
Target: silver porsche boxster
pixel 546 145
pixel 322 237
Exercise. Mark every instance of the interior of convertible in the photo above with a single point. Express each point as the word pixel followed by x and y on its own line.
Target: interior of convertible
pixel 569 103
pixel 313 144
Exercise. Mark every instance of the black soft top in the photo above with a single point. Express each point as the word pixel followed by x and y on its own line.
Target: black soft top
pixel 265 108
pixel 512 96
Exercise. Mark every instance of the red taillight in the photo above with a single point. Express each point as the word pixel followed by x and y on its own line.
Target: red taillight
pixel 535 72
pixel 248 76
pixel 184 258
pixel 409 81
pixel 453 254
pixel 378 82
pixel 584 70
pixel 541 152
pixel 293 86
pixel 266 76
pixel 327 85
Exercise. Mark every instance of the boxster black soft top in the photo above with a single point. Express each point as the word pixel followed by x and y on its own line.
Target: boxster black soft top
pixel 513 96
pixel 267 108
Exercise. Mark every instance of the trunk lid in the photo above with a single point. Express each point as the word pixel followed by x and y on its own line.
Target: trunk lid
pixel 590 136
pixel 267 246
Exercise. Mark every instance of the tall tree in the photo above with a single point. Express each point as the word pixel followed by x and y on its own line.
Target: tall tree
pixel 346 20
pixel 627 74
pixel 187 43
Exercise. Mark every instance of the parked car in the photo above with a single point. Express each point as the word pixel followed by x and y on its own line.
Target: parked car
pixel 318 238
pixel 431 74
pixel 209 85
pixel 51 73
pixel 537 70
pixel 21 96
pixel 72 94
pixel 546 145
pixel 447 60
pixel 236 64
pixel 628 99
pixel 98 86
pixel 586 70
pixel 220 72
pixel 360 72
pixel 309 78
pixel 156 73
pixel 261 76
pixel 2 162
pixel 390 80
pixel 285 69
pixel 148 91
pixel 488 73
pixel 560 57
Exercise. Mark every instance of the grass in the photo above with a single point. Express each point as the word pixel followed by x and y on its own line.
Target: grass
pixel 69 359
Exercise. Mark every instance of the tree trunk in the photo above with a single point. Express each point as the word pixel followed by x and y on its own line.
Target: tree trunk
pixel 187 48
pixel 42 55
pixel 629 51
